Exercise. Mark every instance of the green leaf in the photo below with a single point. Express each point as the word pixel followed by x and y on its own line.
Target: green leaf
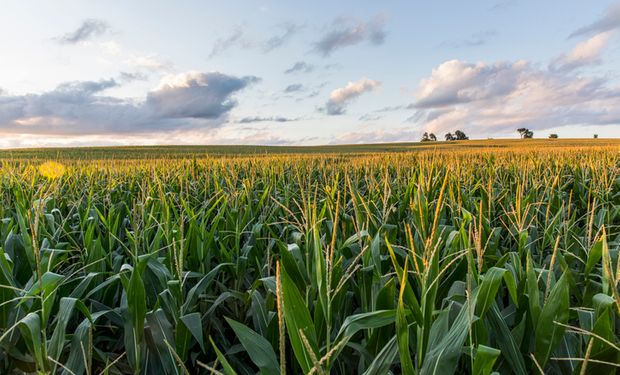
pixel 548 333
pixel 594 256
pixel 443 357
pixel 402 328
pixel 488 289
pixel 258 348
pixel 532 290
pixel 193 323
pixel 30 328
pixel 134 316
pixel 298 320
pixel 159 340
pixel 505 340
pixel 203 284
pixel 484 360
pixel 354 323
pixel 383 361
pixel 65 311
pixel 228 370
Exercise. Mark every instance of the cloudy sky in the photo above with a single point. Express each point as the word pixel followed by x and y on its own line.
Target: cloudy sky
pixel 304 72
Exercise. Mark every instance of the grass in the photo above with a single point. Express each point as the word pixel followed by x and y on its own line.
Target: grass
pixel 467 257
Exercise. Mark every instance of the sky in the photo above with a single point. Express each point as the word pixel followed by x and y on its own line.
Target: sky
pixel 89 73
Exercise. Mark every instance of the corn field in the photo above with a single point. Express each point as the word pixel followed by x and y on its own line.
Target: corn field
pixel 429 262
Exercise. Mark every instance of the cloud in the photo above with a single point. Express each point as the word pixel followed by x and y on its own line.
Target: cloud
pixel 90 28
pixel 341 97
pixel 192 100
pixel 148 62
pixel 280 40
pixel 196 95
pixel 348 32
pixel 249 120
pixel 295 87
pixel 456 82
pixel 236 39
pixel 487 98
pixel 300 67
pixel 610 20
pixel 477 39
pixel 584 53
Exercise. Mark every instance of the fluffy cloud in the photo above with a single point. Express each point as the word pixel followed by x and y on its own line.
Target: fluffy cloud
pixel 500 97
pixel 191 100
pixel 347 32
pixel 584 53
pixel 609 21
pixel 457 82
pixel 341 97
pixel 89 29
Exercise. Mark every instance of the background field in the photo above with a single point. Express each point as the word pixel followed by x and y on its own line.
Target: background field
pixel 467 257
pixel 149 152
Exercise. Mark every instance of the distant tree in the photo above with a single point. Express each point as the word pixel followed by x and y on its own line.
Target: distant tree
pixel 450 137
pixel 595 136
pixel 432 137
pixel 425 137
pixel 553 136
pixel 525 133
pixel 460 136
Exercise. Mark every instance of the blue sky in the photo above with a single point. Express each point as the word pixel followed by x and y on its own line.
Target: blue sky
pixel 274 72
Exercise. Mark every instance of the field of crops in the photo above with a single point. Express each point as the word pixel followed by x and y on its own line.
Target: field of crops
pixel 447 260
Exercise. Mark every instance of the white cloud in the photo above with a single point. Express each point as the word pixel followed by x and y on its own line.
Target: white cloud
pixel 584 53
pixel 486 98
pixel 341 97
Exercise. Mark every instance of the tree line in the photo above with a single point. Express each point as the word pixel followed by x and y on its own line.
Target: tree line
pixel 458 135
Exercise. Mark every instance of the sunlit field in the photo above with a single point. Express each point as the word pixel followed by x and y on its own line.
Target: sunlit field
pixel 454 257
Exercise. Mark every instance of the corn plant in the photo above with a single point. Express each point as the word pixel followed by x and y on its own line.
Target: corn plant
pixel 424 261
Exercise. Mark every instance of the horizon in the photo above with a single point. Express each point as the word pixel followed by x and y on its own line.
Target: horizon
pixel 439 142
pixel 320 74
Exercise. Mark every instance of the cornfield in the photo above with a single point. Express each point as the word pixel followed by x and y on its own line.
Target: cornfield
pixel 428 262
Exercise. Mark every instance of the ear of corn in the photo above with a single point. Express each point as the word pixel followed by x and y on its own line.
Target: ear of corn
pixel 429 262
